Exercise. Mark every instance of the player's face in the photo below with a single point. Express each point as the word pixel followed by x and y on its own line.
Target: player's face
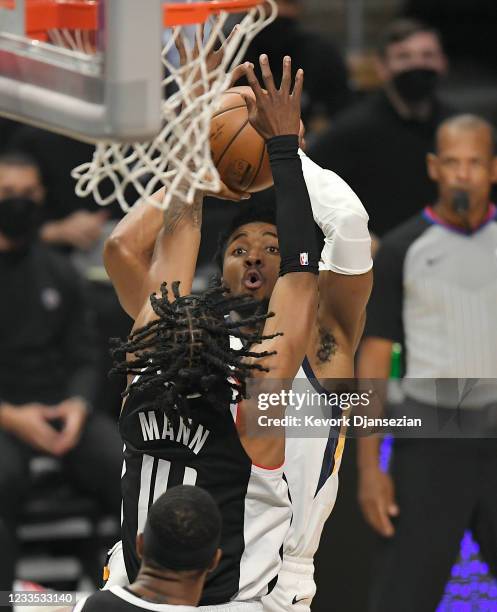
pixel 252 260
pixel 421 50
pixel 464 162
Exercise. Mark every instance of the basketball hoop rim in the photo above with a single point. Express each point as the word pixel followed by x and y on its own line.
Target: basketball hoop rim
pixel 45 15
pixel 198 12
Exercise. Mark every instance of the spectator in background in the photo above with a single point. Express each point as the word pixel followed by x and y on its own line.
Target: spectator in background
pixel 47 364
pixel 379 146
pixel 71 222
pixel 178 549
pixel 79 227
pixel 469 32
pixel 435 292
pixel 469 29
pixel 326 89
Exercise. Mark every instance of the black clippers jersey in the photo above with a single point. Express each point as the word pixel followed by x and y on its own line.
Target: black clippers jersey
pixel 253 501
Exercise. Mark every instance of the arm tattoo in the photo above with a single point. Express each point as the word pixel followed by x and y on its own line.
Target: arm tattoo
pixel 179 210
pixel 327 345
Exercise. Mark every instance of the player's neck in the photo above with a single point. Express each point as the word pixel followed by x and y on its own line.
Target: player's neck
pixel 166 588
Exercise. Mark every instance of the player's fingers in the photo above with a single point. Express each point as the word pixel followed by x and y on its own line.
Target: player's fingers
pixel 229 38
pixel 228 194
pixel 253 81
pixel 286 79
pixel 251 104
pixel 299 86
pixel 199 39
pixel 267 75
pixel 237 73
pixel 180 46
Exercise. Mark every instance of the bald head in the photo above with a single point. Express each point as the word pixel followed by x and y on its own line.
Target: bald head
pixel 461 126
pixel 464 162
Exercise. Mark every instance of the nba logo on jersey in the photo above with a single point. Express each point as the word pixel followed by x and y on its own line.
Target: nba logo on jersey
pixel 304 259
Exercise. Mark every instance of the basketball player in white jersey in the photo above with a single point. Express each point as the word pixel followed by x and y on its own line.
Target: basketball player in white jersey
pixel 250 260
pixel 345 281
pixel 263 511
pixel 185 519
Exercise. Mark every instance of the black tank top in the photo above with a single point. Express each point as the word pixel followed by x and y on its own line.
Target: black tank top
pixel 159 456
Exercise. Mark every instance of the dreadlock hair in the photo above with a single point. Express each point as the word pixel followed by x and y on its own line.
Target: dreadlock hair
pixel 262 211
pixel 186 351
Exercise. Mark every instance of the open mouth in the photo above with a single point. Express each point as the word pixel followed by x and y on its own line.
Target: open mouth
pixel 253 280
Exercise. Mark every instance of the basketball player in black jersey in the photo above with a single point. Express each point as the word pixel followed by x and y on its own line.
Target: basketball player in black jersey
pixel 179 547
pixel 217 448
pixel 250 258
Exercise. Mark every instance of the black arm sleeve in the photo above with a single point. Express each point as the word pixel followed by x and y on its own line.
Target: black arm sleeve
pixel 296 234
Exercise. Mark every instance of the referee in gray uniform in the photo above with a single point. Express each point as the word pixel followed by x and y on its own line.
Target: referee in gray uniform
pixel 435 292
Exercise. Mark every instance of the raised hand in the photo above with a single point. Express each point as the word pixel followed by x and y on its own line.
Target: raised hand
pixel 274 112
pixel 213 59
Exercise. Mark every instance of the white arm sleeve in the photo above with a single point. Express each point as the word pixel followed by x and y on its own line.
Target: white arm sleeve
pixel 342 218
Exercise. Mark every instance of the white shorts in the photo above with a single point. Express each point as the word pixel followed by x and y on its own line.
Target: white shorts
pixel 295 588
pixel 116 568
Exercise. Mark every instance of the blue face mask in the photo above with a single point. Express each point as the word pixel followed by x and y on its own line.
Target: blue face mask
pixel 19 219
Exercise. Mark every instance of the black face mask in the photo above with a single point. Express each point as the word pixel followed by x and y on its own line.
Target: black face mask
pixel 417 84
pixel 19 219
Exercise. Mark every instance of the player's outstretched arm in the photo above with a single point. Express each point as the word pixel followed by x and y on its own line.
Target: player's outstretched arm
pixel 275 114
pixel 128 252
pixel 345 277
pixel 150 246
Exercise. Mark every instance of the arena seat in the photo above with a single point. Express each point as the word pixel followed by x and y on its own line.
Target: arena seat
pixel 63 534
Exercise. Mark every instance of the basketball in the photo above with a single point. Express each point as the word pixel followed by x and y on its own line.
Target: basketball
pixel 238 151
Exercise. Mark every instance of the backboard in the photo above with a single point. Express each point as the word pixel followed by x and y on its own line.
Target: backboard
pixel 110 90
pixel 139 78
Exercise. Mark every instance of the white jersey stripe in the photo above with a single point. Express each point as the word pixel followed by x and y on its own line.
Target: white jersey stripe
pixel 161 478
pixel 145 484
pixel 190 477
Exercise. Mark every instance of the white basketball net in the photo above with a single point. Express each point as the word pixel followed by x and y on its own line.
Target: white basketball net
pixel 179 157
